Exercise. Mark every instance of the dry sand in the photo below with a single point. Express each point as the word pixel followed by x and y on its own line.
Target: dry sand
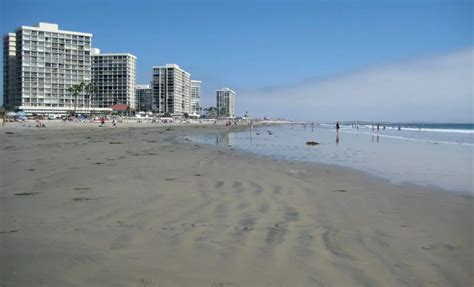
pixel 130 207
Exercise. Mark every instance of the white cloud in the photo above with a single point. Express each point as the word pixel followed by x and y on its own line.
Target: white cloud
pixel 429 89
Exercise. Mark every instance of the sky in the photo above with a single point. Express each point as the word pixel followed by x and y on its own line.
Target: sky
pixel 304 60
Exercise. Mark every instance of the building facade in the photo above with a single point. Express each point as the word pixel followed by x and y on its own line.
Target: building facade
pixel 144 98
pixel 171 90
pixel 195 97
pixel 225 102
pixel 9 71
pixel 41 63
pixel 114 78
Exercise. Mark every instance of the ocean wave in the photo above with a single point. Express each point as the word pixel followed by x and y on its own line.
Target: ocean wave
pixel 404 128
pixel 408 138
pixel 440 130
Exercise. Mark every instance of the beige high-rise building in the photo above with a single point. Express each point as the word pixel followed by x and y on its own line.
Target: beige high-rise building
pixel 171 89
pixel 40 64
pixel 225 102
pixel 114 78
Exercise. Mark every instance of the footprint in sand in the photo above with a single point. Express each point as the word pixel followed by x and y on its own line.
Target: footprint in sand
pixel 340 190
pixel 258 187
pixel 26 193
pixel 82 188
pixel 8 231
pixel 276 234
pixel 277 189
pixel 329 238
pixel 237 185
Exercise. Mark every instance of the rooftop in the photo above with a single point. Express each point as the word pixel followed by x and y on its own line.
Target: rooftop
pixel 173 66
pixel 225 90
pixel 115 54
pixel 51 27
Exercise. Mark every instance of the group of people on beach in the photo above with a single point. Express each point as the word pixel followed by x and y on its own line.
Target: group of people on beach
pixel 228 124
pixel 374 127
pixel 102 122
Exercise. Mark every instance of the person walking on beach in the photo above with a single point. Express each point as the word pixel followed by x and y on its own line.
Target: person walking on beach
pixel 114 123
pixel 102 121
pixel 337 127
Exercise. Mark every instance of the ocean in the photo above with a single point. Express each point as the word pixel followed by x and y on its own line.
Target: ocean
pixel 428 154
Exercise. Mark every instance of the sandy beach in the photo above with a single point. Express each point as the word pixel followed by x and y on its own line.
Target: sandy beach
pixel 89 206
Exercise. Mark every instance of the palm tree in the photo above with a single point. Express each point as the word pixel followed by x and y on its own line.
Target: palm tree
pixel 89 89
pixel 211 112
pixel 222 112
pixel 76 90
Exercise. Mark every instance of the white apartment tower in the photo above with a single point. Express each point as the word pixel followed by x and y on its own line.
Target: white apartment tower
pixel 144 98
pixel 41 63
pixel 9 70
pixel 195 97
pixel 171 89
pixel 225 102
pixel 114 78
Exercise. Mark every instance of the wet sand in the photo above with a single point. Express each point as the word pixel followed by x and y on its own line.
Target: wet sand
pixel 130 207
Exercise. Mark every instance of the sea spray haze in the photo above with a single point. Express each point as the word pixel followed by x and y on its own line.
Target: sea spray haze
pixel 436 88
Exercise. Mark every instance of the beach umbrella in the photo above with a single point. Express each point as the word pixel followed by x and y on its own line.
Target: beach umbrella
pixel 11 114
pixel 21 114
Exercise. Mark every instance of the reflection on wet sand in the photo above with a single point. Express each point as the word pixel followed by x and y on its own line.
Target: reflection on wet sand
pixel 226 139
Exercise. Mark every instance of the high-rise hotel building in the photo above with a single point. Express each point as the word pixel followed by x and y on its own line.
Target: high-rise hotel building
pixel 225 102
pixel 171 88
pixel 41 63
pixel 195 97
pixel 9 70
pixel 144 98
pixel 114 78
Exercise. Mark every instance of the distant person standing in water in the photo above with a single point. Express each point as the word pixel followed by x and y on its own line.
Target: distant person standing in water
pixel 378 127
pixel 337 127
pixel 399 127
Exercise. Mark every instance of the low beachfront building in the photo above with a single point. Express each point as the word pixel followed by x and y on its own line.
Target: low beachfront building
pixel 144 98
pixel 195 97
pixel 225 102
pixel 171 90
pixel 114 79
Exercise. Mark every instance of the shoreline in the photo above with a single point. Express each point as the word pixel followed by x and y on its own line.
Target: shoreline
pixel 130 205
pixel 406 183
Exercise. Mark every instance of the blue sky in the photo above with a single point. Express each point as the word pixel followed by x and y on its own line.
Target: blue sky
pixel 255 45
